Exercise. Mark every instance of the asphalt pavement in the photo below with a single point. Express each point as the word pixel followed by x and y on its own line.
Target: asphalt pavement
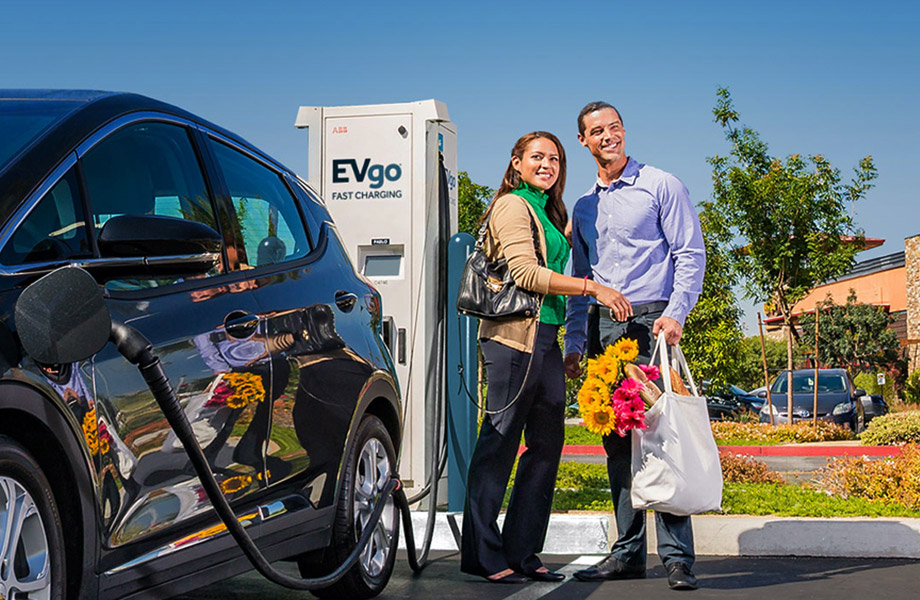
pixel 720 577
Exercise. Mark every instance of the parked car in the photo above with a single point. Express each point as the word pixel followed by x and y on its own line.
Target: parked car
pixel 729 400
pixel 839 401
pixel 270 337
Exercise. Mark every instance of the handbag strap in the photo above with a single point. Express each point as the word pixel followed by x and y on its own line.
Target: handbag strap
pixel 484 230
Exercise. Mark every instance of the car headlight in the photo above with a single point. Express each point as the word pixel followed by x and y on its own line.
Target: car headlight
pixel 843 408
pixel 767 409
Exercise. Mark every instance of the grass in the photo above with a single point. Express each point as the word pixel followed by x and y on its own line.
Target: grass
pixel 584 487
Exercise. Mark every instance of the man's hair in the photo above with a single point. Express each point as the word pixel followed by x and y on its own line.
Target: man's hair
pixel 590 108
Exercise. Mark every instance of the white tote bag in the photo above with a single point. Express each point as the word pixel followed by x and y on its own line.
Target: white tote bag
pixel 675 461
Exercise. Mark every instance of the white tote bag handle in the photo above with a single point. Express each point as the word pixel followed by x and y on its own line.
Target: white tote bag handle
pixel 664 364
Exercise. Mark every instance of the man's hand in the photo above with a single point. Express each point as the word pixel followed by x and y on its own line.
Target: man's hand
pixel 572 365
pixel 671 328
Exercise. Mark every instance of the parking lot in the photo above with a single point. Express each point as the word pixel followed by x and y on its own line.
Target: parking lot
pixel 720 577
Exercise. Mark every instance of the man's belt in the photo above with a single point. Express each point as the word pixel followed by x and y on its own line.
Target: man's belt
pixel 638 310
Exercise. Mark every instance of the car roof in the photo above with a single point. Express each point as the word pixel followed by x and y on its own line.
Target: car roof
pixel 94 109
pixel 835 371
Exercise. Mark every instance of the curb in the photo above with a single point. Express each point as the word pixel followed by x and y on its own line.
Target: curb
pixel 724 535
pixel 790 450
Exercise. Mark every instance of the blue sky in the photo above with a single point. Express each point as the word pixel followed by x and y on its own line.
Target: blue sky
pixel 835 78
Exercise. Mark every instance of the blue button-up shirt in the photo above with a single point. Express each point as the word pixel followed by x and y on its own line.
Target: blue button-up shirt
pixel 640 236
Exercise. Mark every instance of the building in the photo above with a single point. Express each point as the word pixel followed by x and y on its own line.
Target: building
pixel 891 281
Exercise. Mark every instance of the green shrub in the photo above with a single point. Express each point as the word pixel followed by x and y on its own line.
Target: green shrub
pixel 578 435
pixel 911 392
pixel 869 382
pixel 894 480
pixel 795 501
pixel 744 469
pixel 892 429
pixel 732 433
pixel 582 475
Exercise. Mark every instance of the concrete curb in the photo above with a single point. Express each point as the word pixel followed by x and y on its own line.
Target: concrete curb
pixel 725 535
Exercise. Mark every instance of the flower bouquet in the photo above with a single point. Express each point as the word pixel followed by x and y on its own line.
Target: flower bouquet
pixel 236 390
pixel 616 391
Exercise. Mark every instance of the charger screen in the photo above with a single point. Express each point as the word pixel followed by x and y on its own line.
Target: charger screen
pixel 382 266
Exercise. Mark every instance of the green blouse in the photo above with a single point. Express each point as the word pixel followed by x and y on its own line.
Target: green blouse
pixel 557 252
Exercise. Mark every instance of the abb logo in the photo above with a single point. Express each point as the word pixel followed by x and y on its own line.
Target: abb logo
pixel 340 129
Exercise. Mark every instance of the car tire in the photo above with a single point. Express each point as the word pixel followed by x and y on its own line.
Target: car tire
pixel 370 463
pixel 32 560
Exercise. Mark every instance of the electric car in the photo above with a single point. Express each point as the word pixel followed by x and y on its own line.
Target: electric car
pixel 232 267
pixel 838 399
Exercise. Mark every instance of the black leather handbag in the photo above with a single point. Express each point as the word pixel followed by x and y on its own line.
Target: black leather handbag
pixel 487 290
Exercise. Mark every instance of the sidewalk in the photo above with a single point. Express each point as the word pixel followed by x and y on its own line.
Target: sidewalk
pixel 725 535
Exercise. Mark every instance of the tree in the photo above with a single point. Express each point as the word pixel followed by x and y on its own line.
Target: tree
pixel 853 336
pixel 712 335
pixel 788 218
pixel 471 203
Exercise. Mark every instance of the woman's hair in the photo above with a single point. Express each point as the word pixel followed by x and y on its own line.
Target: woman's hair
pixel 555 209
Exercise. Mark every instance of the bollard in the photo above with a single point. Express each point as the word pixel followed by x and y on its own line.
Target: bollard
pixel 462 342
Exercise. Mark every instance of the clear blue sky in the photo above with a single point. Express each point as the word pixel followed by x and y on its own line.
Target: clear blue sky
pixel 838 78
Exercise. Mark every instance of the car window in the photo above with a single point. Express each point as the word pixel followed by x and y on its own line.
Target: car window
pixel 55 229
pixel 146 169
pixel 149 168
pixel 267 219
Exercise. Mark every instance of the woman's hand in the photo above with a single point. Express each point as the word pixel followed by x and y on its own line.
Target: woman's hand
pixel 612 299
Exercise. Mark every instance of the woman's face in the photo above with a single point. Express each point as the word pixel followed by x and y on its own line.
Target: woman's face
pixel 539 164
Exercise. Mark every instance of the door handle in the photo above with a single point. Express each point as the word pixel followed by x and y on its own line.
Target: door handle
pixel 240 324
pixel 345 300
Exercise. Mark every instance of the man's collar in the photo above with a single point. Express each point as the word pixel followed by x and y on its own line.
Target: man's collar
pixel 627 177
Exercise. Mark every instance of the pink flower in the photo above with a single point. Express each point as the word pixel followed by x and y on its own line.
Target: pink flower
pixel 628 389
pixel 651 371
pixel 630 414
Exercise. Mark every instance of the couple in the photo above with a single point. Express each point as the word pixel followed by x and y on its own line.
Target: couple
pixel 638 264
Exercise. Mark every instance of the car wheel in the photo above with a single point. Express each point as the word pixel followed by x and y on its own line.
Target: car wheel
pixel 369 465
pixel 32 562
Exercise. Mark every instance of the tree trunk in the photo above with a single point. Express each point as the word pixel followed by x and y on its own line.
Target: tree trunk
pixel 789 367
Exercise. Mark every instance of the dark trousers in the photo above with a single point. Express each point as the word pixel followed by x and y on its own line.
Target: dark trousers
pixel 540 414
pixel 675 534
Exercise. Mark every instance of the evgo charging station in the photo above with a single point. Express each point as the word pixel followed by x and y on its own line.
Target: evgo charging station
pixel 381 170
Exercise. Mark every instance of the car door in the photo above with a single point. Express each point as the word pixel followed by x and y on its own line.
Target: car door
pixel 317 322
pixel 206 332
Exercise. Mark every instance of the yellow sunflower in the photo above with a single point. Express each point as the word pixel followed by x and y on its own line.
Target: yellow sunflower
pixel 601 420
pixel 91 431
pixel 626 350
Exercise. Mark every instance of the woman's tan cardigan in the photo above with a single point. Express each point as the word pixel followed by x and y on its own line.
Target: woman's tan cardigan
pixel 510 228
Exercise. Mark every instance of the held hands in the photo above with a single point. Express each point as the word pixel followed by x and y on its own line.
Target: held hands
pixel 572 365
pixel 612 299
pixel 671 328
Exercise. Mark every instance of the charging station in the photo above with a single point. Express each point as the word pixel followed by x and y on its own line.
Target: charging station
pixel 379 169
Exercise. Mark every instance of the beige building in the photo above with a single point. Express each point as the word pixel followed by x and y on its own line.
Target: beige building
pixel 891 281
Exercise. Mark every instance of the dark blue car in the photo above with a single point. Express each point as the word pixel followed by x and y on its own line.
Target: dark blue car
pixel 838 400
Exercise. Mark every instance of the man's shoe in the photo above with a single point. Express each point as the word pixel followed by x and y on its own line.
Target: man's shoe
pixel 680 577
pixel 609 569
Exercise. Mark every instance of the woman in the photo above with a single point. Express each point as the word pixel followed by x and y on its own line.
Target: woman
pixel 528 204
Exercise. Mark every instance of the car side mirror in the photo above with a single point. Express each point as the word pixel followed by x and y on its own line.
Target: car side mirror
pixel 859 393
pixel 762 394
pixel 166 244
pixel 62 318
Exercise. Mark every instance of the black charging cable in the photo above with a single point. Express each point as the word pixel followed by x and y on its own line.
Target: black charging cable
pixel 137 349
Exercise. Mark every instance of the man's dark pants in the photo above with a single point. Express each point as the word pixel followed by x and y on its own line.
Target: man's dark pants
pixel 675 535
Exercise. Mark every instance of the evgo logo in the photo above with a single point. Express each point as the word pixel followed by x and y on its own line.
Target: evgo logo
pixel 377 174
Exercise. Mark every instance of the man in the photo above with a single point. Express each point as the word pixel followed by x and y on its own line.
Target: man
pixel 637 232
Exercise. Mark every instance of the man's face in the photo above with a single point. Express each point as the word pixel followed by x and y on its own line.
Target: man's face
pixel 604 136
